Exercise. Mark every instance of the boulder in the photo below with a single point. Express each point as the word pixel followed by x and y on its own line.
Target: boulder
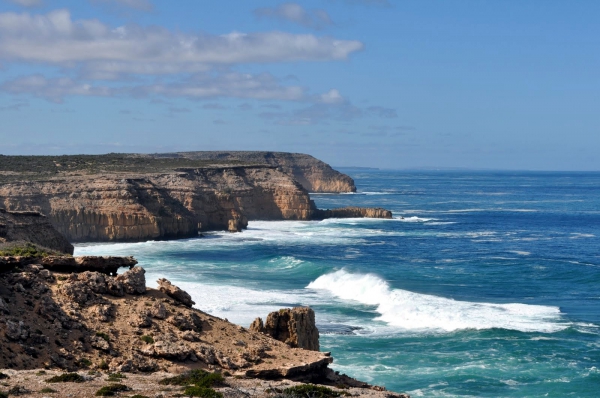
pixel 165 286
pixel 295 327
pixel 134 281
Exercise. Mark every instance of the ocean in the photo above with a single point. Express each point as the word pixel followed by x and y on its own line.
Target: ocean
pixel 485 284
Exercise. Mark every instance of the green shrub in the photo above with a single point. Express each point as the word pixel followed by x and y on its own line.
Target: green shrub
pixel 103 365
pixel 310 390
pixel 3 395
pixel 47 390
pixel 26 250
pixel 139 396
pixel 110 390
pixel 103 336
pixel 66 378
pixel 84 362
pixel 195 391
pixel 116 377
pixel 147 339
pixel 197 377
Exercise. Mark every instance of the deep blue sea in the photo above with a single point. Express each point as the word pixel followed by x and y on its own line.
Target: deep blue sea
pixel 485 284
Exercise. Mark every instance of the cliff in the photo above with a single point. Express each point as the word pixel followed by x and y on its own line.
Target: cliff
pixel 176 204
pixel 31 227
pixel 313 174
pixel 119 197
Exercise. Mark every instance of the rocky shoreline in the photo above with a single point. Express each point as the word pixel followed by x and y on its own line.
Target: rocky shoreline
pixel 95 324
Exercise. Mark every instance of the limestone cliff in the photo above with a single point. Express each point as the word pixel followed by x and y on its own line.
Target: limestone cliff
pixel 313 174
pixel 31 227
pixel 177 204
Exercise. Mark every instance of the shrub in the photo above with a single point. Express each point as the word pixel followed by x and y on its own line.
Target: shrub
pixel 116 377
pixel 197 377
pixel 110 390
pixel 84 362
pixel 103 336
pixel 139 396
pixel 3 395
pixel 103 365
pixel 66 378
pixel 147 339
pixel 310 390
pixel 195 391
pixel 47 390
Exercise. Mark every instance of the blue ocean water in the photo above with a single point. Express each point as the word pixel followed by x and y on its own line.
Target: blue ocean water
pixel 485 284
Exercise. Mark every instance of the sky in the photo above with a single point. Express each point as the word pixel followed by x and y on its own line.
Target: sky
pixel 400 84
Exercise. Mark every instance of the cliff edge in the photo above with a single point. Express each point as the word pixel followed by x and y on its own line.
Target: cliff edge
pixel 313 174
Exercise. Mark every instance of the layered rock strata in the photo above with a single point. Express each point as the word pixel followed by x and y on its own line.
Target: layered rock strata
pixel 31 227
pixel 313 174
pixel 179 204
pixel 294 326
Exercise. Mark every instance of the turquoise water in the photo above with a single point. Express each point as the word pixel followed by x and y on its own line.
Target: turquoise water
pixel 485 284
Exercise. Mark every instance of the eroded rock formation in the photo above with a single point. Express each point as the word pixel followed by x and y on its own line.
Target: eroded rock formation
pixel 313 174
pixel 295 327
pixel 31 227
pixel 352 212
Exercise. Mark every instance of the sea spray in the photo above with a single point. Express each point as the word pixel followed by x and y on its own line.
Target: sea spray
pixel 415 311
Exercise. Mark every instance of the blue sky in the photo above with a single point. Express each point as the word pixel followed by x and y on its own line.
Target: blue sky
pixel 391 84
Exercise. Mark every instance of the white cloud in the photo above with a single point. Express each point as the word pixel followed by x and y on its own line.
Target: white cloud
pixel 333 96
pixel 295 13
pixel 206 85
pixel 142 5
pixel 27 3
pixel 56 39
pixel 53 89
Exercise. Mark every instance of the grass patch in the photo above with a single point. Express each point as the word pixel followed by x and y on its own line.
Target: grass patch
pixel 310 390
pixel 110 390
pixel 205 392
pixel 197 377
pixel 66 378
pixel 48 390
pixel 147 339
pixel 26 250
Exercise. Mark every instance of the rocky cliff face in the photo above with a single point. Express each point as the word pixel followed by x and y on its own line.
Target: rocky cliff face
pixel 313 174
pixel 31 227
pixel 294 326
pixel 352 212
pixel 133 207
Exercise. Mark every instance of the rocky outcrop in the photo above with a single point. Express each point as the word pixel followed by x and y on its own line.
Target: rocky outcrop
pixel 175 292
pixel 313 174
pixel 352 212
pixel 31 227
pixel 106 264
pixel 295 327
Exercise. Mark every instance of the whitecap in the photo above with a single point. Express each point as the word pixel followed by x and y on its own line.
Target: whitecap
pixel 414 311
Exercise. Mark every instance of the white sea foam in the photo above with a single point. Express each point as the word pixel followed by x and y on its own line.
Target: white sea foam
pixel 414 311
pixel 413 219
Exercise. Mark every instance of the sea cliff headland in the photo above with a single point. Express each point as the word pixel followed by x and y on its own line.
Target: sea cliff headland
pixel 135 197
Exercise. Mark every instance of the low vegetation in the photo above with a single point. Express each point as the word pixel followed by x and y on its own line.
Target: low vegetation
pixel 204 392
pixel 39 168
pixel 310 390
pixel 147 339
pixel 66 378
pixel 25 250
pixel 199 383
pixel 111 390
